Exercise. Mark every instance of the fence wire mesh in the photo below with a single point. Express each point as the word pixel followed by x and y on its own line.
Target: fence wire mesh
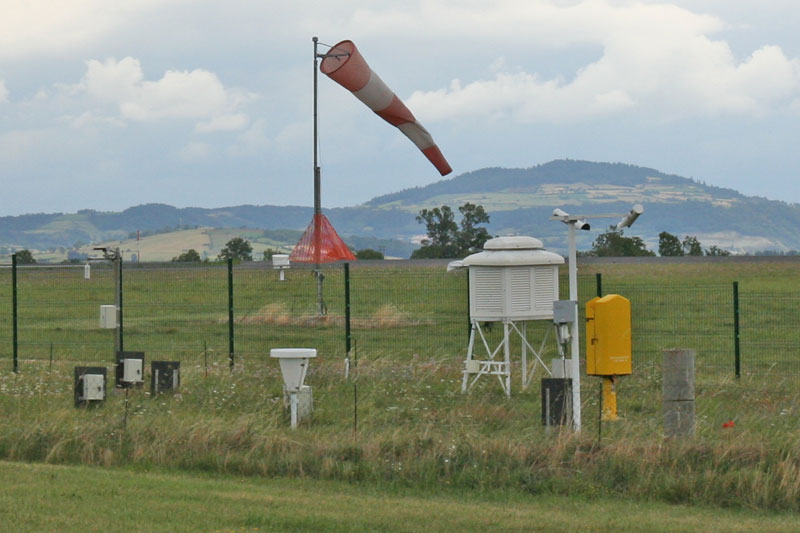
pixel 181 312
pixel 769 333
pixel 694 317
pixel 270 313
pixel 6 310
pixel 175 312
pixel 58 312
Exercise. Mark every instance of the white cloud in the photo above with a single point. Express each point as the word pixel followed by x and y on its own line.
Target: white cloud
pixel 195 95
pixel 3 92
pixel 195 151
pixel 88 119
pixel 293 136
pixel 533 22
pixel 45 27
pixel 229 122
pixel 657 58
pixel 251 142
pixel 16 145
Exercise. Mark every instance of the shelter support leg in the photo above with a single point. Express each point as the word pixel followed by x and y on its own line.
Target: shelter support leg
pixel 467 363
pixel 293 409
pixel 524 335
pixel 507 359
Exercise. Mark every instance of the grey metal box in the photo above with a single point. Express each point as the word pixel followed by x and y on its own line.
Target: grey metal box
pixel 132 370
pixel 565 311
pixel 108 316
pixel 94 387
pixel 129 370
pixel 89 385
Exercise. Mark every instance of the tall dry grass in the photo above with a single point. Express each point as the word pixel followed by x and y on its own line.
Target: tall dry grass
pixel 416 429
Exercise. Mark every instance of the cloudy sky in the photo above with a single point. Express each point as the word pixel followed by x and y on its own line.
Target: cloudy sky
pixel 106 105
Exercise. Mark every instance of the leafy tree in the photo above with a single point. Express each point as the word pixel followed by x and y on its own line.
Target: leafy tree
pixel 237 249
pixel 189 256
pixel 369 253
pixel 25 257
pixel 442 230
pixel 613 243
pixel 717 252
pixel 669 245
pixel 471 238
pixel 268 253
pixel 691 246
pixel 445 238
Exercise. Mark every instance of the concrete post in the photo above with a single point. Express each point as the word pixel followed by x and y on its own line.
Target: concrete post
pixel 677 391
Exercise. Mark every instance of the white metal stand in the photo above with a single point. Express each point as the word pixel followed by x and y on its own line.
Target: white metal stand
pixel 502 369
pixel 293 408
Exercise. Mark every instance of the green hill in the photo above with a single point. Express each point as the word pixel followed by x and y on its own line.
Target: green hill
pixel 519 201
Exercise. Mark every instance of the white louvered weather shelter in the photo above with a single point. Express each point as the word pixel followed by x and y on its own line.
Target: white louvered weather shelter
pixel 513 281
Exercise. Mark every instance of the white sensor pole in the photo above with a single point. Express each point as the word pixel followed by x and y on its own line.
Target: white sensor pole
pixel 579 221
pixel 575 366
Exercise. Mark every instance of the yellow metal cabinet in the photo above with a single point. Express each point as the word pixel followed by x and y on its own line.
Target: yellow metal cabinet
pixel 608 336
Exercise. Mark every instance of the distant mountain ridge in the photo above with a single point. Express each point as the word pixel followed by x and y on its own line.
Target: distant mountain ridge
pixel 518 201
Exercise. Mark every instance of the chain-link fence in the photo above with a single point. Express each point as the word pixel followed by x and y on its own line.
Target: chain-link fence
pixel 58 312
pixel 238 312
pixel 770 332
pixel 699 317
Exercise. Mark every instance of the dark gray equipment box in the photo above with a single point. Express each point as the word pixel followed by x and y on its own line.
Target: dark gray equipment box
pixel 129 371
pixel 558 393
pixel 565 311
pixel 90 385
pixel 165 376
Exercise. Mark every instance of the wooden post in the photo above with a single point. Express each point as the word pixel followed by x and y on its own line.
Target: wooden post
pixel 677 388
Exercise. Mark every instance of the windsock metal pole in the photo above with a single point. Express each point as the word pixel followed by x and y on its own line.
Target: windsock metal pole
pixel 317 195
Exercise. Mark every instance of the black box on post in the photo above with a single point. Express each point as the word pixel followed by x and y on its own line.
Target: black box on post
pixel 129 371
pixel 165 376
pixel 90 385
pixel 557 401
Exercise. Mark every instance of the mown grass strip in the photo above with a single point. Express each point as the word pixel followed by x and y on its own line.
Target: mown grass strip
pixel 71 498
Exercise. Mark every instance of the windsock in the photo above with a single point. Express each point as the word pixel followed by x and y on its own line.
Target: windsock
pixel 347 67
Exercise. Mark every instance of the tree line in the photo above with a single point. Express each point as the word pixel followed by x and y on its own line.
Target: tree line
pixel 446 238
pixel 613 243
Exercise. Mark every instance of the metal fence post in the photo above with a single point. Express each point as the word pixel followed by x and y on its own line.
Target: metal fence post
pixel 118 278
pixel 736 348
pixel 15 339
pixel 230 313
pixel 599 281
pixel 347 337
pixel 469 319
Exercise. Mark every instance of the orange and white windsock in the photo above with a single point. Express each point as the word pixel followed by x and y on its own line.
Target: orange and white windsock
pixel 347 67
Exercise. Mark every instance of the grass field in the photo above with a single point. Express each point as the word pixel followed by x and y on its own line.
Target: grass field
pixel 415 431
pixel 50 498
pixel 178 312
